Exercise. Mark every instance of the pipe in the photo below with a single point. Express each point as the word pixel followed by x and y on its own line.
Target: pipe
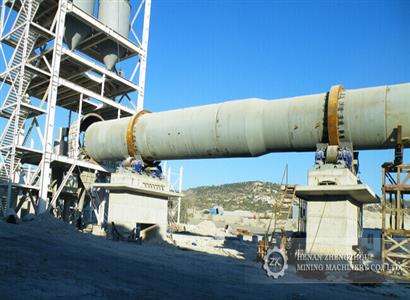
pixel 253 127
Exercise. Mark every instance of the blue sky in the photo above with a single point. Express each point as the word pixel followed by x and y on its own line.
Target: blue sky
pixel 203 52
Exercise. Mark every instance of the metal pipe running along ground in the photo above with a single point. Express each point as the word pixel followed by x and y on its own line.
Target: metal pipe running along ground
pixel 252 127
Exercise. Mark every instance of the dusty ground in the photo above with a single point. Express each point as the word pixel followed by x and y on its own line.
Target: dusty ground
pixel 243 220
pixel 46 259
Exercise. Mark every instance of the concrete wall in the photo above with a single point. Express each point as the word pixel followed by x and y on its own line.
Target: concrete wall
pixel 125 210
pixel 331 227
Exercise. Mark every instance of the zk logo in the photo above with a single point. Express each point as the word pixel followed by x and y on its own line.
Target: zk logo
pixel 276 263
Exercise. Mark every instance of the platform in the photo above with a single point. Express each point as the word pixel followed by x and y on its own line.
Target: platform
pixel 33 156
pixel 81 71
pixel 32 111
pixel 90 46
pixel 135 189
pixel 74 81
pixel 360 193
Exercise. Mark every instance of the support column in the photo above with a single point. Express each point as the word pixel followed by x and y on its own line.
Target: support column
pixel 334 210
pixel 180 191
pixel 52 102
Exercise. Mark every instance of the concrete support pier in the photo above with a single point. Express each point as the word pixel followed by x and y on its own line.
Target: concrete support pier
pixel 335 199
pixel 333 227
pixel 141 199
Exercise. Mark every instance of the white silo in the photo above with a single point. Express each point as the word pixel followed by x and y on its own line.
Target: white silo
pixel 75 31
pixel 115 14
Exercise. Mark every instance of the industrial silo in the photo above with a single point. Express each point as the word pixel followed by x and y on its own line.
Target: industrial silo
pixel 116 15
pixel 75 31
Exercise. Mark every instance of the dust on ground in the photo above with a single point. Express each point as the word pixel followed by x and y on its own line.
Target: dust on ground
pixel 48 259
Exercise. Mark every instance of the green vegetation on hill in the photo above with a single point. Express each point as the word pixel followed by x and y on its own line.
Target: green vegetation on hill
pixel 252 196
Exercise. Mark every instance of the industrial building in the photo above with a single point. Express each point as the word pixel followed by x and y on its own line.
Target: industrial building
pixel 64 63
pixel 64 60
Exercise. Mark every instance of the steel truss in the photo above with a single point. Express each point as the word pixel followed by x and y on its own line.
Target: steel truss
pixel 39 75
pixel 395 227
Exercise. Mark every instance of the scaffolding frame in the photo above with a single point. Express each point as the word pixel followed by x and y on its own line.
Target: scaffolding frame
pixel 395 240
pixel 40 74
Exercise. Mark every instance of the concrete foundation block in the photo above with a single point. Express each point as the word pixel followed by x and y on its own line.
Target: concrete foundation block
pixel 126 209
pixel 332 227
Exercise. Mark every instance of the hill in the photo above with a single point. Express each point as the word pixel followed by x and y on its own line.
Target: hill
pixel 252 196
pixel 255 196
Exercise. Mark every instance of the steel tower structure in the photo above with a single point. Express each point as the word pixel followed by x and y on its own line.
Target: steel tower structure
pixel 43 81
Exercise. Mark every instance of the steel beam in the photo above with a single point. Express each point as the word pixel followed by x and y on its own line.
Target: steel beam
pixel 51 108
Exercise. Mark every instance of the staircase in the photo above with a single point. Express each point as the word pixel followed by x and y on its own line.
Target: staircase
pixel 19 78
pixel 283 209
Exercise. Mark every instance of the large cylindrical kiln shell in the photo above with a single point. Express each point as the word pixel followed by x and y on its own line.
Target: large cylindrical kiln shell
pixel 370 115
pixel 112 141
pixel 116 15
pixel 252 127
pixel 249 127
pixel 75 31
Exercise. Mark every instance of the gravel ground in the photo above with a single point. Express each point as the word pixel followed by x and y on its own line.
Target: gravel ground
pixel 47 259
